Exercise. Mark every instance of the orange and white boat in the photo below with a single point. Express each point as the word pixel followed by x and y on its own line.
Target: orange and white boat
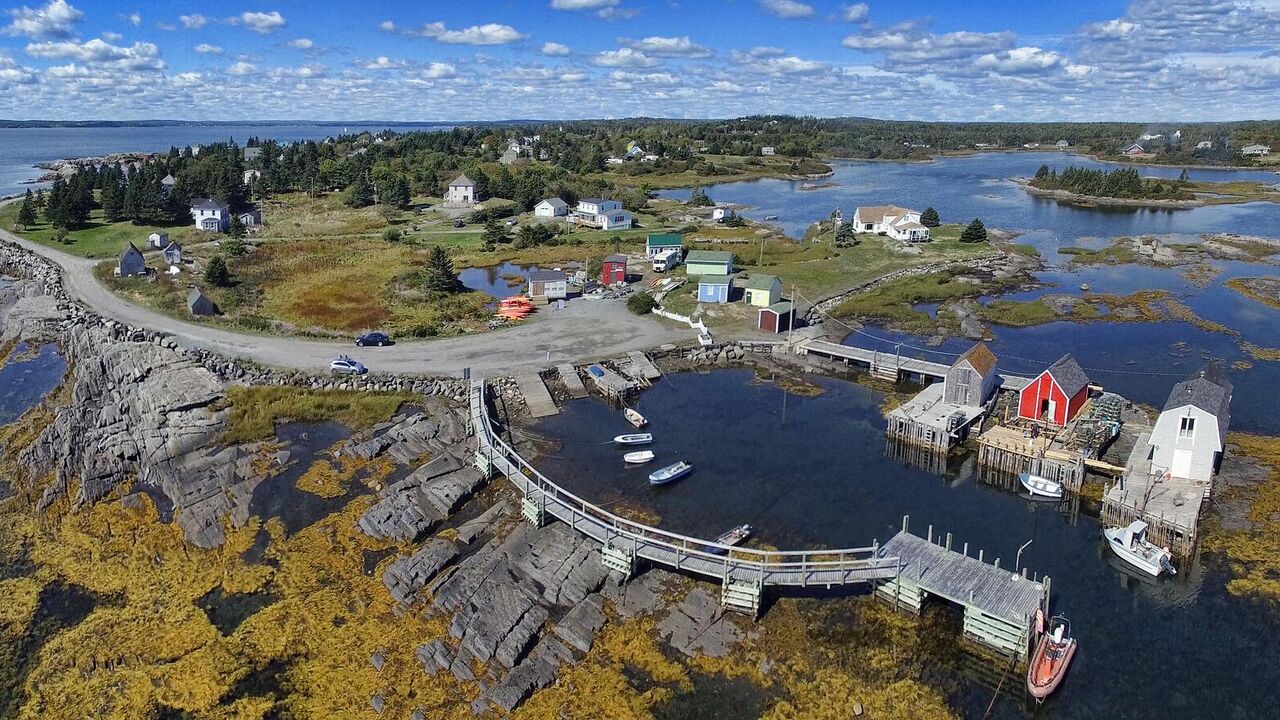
pixel 1052 656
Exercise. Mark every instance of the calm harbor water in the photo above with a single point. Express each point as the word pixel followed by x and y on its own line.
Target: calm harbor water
pixel 27 378
pixel 811 472
pixel 22 148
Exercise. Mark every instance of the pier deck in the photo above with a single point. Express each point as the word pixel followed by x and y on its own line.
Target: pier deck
pixel 644 365
pixel 536 395
pixel 1169 505
pixel 889 364
pixel 573 381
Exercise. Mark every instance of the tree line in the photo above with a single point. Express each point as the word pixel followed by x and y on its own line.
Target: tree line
pixel 1119 183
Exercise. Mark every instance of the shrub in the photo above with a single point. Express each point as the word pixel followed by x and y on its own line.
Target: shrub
pixel 392 235
pixel 641 303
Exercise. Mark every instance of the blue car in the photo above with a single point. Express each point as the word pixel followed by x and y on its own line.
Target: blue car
pixel 373 338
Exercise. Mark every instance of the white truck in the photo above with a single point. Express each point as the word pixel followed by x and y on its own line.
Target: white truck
pixel 666 260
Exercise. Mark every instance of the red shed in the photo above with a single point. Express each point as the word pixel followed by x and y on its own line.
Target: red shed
pixel 613 269
pixel 1055 395
pixel 776 318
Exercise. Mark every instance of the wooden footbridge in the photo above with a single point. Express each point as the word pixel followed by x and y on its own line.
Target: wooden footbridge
pixel 891 366
pixel 904 571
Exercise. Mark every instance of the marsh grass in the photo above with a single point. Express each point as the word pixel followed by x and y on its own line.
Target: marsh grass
pixel 254 411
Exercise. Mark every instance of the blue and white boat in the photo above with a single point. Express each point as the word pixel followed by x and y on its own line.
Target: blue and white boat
pixel 670 473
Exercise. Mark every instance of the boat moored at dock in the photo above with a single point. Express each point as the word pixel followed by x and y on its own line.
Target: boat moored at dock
pixel 1130 544
pixel 1052 656
pixel 638 458
pixel 735 536
pixel 1041 487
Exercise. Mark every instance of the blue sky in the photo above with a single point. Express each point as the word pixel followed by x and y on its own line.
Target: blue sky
pixel 437 61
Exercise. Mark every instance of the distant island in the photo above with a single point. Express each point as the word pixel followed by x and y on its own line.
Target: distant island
pixel 1126 187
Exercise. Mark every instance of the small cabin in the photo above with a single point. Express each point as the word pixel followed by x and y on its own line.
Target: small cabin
pixel 173 254
pixel 1191 432
pixel 1056 395
pixel 708 262
pixel 131 263
pixel 613 269
pixel 762 290
pixel 777 318
pixel 659 243
pixel 549 284
pixel 714 288
pixel 971 378
pixel 200 305
pixel 158 240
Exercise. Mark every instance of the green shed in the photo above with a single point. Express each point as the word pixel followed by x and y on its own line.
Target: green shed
pixel 708 262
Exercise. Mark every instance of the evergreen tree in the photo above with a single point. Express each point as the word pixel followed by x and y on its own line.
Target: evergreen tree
pixel 494 231
pixel 1043 173
pixel 40 200
pixel 439 274
pixel 699 198
pixel 360 193
pixel 236 228
pixel 844 235
pixel 396 192
pixel 53 204
pixel 112 196
pixel 216 272
pixel 975 232
pixel 929 218
pixel 27 213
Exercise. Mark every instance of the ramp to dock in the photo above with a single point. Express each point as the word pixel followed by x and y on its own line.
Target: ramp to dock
pixel 573 381
pixel 536 395
pixel 644 365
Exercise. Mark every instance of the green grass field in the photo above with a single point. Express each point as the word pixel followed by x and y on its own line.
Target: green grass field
pixel 100 239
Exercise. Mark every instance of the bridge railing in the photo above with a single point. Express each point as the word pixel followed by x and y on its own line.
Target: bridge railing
pixel 623 531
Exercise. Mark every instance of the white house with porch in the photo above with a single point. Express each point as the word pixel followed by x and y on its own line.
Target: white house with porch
pixel 211 215
pixel 1191 432
pixel 1255 150
pixel 601 214
pixel 461 193
pixel 898 223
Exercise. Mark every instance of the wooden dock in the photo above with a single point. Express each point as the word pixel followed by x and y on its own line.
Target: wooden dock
pixel 1170 506
pixel 614 387
pixel 644 366
pixel 1008 450
pixel 572 380
pixel 891 366
pixel 535 394
pixel 999 604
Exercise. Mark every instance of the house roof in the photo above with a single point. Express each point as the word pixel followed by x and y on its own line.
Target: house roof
pixel 462 180
pixel 778 308
pixel 173 246
pixel 594 201
pixel 1208 390
pixel 615 259
pixel 546 276
pixel 1246 148
pixel 709 256
pixel 715 280
pixel 130 249
pixel 555 202
pixel 761 281
pixel 193 296
pixel 168 180
pixel 208 204
pixel 665 240
pixel 1069 375
pixel 979 357
pixel 877 213
pixel 907 225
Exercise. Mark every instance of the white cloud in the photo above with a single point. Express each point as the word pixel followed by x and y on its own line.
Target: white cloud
pixel 167 27
pixel 616 13
pixel 1019 60
pixel 908 45
pixel 387 26
pixel 788 65
pixel 756 53
pixel 555 49
pixel 725 86
pixel 382 62
pixel 134 19
pixel 854 13
pixel 789 9
pixel 658 46
pixel 207 49
pixel 242 68
pixel 139 56
pixel 439 71
pixel 12 74
pixel 626 57
pixel 55 20
pixel 301 44
pixel 487 34
pixel 572 77
pixel 187 79
pixel 193 22
pixel 1110 29
pixel 260 22
pixel 582 4
pixel 112 36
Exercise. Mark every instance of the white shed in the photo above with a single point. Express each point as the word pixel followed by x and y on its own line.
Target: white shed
pixel 1191 431
pixel 551 208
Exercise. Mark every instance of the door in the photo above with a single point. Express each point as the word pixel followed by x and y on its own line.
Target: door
pixel 1052 406
pixel 1181 465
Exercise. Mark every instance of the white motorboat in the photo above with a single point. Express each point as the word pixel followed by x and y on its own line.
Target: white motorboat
pixel 1041 487
pixel 1130 544
pixel 735 536
pixel 634 417
pixel 634 439
pixel 670 473
pixel 639 457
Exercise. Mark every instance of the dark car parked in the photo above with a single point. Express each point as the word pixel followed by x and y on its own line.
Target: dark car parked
pixel 373 338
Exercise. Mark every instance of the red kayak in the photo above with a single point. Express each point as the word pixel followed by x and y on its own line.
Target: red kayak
pixel 1052 656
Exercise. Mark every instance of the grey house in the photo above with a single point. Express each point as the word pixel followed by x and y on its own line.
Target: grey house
pixel 131 263
pixel 201 305
pixel 971 378
pixel 173 254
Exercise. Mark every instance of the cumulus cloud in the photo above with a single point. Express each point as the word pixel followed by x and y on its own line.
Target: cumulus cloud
pixel 908 45
pixel 207 49
pixel 787 65
pixel 582 4
pixel 487 34
pixel 626 57
pixel 659 46
pixel 242 68
pixel 439 71
pixel 756 53
pixel 112 36
pixel 13 74
pixel 1110 29
pixel 139 56
pixel 854 13
pixel 387 26
pixel 301 44
pixel 382 62
pixel 193 22
pixel 1020 60
pixel 55 20
pixel 555 49
pixel 789 9
pixel 260 22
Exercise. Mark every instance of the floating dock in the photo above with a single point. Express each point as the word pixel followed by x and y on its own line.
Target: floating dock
pixel 535 394
pixel 572 380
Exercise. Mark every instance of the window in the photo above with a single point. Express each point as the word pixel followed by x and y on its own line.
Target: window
pixel 1187 428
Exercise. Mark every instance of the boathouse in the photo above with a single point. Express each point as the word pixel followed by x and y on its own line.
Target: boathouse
pixel 548 284
pixel 613 269
pixel 199 304
pixel 971 378
pixel 1191 432
pixel 714 288
pixel 941 415
pixel 1056 395
pixel 776 318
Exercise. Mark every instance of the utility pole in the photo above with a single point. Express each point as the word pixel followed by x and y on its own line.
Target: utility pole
pixel 791 322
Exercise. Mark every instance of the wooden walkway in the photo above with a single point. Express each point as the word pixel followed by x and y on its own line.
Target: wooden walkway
pixel 644 365
pixel 536 395
pixel 572 380
pixel 889 365
pixel 966 580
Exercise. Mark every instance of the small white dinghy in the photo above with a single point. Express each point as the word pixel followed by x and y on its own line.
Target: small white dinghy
pixel 670 473
pixel 1041 487
pixel 635 418
pixel 1130 544
pixel 634 439
pixel 639 457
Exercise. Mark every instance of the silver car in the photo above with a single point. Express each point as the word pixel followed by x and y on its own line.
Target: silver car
pixel 343 365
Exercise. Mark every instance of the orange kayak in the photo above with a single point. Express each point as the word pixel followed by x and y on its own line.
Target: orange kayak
pixel 1052 656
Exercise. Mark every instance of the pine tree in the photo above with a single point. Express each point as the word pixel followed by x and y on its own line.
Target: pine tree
pixel 236 228
pixel 395 192
pixel 494 231
pixel 360 193
pixel 439 272
pixel 216 272
pixel 112 196
pixel 27 213
pixel 975 232
pixel 929 218
pixel 53 204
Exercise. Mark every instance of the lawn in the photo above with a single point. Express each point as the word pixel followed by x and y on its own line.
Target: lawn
pixel 893 301
pixel 100 239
